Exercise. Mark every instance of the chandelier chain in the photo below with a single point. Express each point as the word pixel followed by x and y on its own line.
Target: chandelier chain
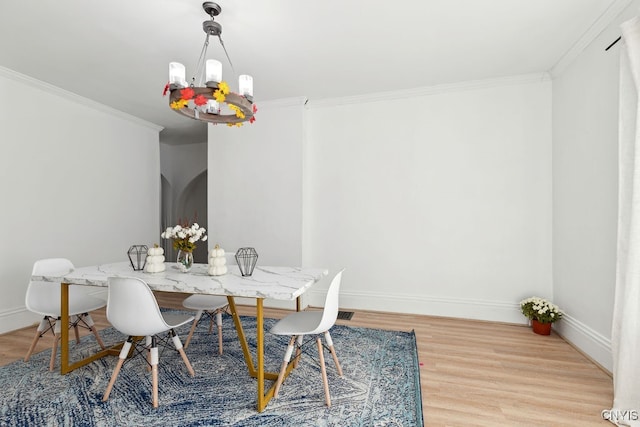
pixel 200 65
pixel 228 58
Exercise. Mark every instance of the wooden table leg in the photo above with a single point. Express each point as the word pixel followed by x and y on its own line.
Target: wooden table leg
pixel 65 367
pixel 64 328
pixel 257 371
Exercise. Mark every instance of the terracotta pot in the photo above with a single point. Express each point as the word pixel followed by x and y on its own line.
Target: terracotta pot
pixel 541 328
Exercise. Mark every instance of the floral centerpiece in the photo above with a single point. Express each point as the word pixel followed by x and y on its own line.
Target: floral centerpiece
pixel 184 238
pixel 540 311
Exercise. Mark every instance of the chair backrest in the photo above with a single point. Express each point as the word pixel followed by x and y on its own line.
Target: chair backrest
pixel 132 308
pixel 331 304
pixel 44 297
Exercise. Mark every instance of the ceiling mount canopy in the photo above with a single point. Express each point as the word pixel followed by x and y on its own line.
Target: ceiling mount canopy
pixel 208 97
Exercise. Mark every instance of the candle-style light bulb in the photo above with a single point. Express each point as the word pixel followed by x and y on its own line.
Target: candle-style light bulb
pixel 213 71
pixel 245 85
pixel 213 107
pixel 177 74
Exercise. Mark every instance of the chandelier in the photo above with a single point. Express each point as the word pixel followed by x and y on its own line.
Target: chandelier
pixel 208 98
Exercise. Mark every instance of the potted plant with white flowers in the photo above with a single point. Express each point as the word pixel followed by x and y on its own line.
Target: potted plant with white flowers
pixel 542 314
pixel 184 238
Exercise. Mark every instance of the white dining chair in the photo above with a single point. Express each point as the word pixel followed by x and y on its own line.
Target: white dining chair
pixel 211 306
pixel 43 298
pixel 318 323
pixel 133 310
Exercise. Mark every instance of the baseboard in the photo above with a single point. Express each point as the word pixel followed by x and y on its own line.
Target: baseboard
pixel 592 344
pixel 16 318
pixel 508 312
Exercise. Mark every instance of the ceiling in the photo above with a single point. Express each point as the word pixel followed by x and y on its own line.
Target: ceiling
pixel 116 52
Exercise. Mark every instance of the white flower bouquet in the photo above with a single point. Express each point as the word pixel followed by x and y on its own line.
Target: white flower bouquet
pixel 185 236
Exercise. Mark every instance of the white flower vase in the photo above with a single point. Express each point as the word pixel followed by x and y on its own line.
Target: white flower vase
pixel 184 260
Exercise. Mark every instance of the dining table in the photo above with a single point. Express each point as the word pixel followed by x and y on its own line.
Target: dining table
pixel 277 283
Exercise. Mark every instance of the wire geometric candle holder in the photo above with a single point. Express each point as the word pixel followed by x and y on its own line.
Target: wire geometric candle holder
pixel 138 256
pixel 246 259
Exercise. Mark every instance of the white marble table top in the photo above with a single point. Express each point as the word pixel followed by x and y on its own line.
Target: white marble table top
pixel 282 283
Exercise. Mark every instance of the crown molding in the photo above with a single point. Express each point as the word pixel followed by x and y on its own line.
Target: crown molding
pixel 600 24
pixel 54 90
pixel 431 90
pixel 284 102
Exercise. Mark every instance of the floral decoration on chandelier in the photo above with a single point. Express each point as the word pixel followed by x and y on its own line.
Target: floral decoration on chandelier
pixel 220 95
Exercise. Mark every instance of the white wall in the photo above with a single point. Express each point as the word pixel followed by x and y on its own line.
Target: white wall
pixel 585 192
pixel 78 181
pixel 436 202
pixel 255 184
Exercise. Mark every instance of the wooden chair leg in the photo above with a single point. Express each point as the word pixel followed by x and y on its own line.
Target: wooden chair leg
pixel 324 371
pixel 219 322
pixel 39 331
pixel 88 320
pixel 121 358
pixel 193 328
pixel 76 329
pixel 147 346
pixel 154 372
pixel 298 351
pixel 178 344
pixel 327 337
pixel 185 359
pixel 98 339
pixel 283 368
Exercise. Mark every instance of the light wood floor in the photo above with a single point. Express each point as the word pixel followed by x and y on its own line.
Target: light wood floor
pixel 472 373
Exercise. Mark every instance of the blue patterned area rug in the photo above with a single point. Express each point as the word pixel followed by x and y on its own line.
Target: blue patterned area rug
pixel 380 386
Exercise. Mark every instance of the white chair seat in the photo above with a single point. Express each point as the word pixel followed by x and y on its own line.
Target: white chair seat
pixel 205 302
pixel 300 323
pixel 175 320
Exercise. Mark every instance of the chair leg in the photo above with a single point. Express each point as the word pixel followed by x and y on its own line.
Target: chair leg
pixel 121 358
pixel 327 337
pixel 154 372
pixel 74 320
pixel 210 321
pixel 193 328
pixel 42 327
pixel 88 320
pixel 219 322
pixel 324 371
pixel 178 345
pixel 283 368
pixel 298 351
pixel 147 346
